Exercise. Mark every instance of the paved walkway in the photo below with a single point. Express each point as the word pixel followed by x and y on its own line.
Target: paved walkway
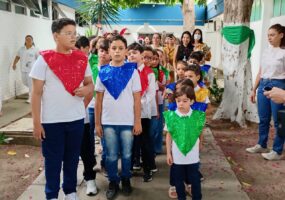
pixel 220 181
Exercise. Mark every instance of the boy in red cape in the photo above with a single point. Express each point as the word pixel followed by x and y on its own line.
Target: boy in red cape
pixel 61 80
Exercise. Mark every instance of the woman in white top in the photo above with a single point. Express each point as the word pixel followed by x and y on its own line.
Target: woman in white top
pixel 27 55
pixel 271 74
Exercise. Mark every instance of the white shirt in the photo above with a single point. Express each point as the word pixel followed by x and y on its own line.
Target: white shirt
pixel 160 93
pixel 120 111
pixel 273 63
pixel 27 57
pixel 148 99
pixel 192 156
pixel 57 105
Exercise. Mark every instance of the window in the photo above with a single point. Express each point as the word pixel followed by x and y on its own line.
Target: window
pixel 20 10
pixel 278 8
pixel 5 5
pixel 256 11
pixel 45 9
pixel 35 10
pixel 19 2
pixel 54 12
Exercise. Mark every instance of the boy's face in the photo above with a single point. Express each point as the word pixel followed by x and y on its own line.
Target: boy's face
pixel 134 56
pixel 180 71
pixel 117 51
pixel 154 61
pixel 66 38
pixel 193 61
pixel 183 103
pixel 147 57
pixel 103 56
pixel 192 76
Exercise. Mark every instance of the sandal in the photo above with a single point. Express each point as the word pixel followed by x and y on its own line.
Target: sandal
pixel 172 192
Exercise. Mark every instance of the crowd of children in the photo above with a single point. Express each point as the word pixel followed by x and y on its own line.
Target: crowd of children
pixel 127 110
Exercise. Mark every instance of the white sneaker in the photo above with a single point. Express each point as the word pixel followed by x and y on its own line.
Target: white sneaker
pixel 272 155
pixel 91 188
pixel 257 149
pixel 28 101
pixel 71 196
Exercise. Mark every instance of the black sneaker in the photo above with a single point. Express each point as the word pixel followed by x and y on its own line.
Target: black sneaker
pixel 137 166
pixel 154 169
pixel 126 186
pixel 147 177
pixel 112 190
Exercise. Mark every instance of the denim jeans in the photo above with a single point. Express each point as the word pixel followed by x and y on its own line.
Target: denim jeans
pixel 190 174
pixel 61 146
pixel 118 140
pixel 156 131
pixel 266 108
pixel 92 130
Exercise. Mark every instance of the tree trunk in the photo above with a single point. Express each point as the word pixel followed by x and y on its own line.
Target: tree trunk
pixel 236 104
pixel 188 10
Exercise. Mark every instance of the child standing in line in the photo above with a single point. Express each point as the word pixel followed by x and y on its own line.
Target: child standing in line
pixel 88 144
pixel 184 127
pixel 61 80
pixel 118 94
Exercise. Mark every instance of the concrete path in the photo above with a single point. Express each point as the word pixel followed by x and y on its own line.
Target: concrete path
pixel 220 181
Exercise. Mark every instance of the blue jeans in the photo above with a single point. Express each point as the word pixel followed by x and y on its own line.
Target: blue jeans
pixel 266 108
pixel 92 130
pixel 156 130
pixel 61 145
pixel 119 140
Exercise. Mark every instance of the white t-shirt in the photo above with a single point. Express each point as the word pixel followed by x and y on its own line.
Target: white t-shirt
pixel 192 156
pixel 27 57
pixel 148 101
pixel 57 105
pixel 273 63
pixel 160 93
pixel 120 111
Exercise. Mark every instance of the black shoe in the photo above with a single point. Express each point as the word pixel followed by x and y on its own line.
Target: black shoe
pixel 147 177
pixel 112 190
pixel 137 166
pixel 126 186
pixel 154 169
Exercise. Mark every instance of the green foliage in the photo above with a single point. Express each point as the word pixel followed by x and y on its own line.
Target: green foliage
pixel 216 93
pixel 90 32
pixel 99 11
pixel 4 139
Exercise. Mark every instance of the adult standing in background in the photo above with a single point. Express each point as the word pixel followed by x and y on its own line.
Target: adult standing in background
pixel 156 41
pixel 27 55
pixel 146 41
pixel 169 54
pixel 271 74
pixel 199 45
pixel 183 51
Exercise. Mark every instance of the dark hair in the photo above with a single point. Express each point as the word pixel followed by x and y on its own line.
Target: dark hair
pixel 182 62
pixel 185 81
pixel 188 33
pixel 136 46
pixel 119 38
pixel 82 42
pixel 105 44
pixel 147 48
pixel 196 69
pixel 157 34
pixel 280 29
pixel 94 44
pixel 58 24
pixel 30 37
pixel 197 55
pixel 201 39
pixel 154 52
pixel 185 90
pixel 171 35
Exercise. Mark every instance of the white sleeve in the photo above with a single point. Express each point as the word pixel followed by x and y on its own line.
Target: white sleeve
pixel 88 71
pixel 19 52
pixel 151 90
pixel 136 83
pixel 99 87
pixel 39 69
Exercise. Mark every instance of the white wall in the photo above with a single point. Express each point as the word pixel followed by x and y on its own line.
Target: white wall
pixel 14 28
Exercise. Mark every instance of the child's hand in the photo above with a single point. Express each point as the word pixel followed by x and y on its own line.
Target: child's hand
pixel 99 130
pixel 169 159
pixel 81 91
pixel 137 128
pixel 39 132
pixel 158 115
